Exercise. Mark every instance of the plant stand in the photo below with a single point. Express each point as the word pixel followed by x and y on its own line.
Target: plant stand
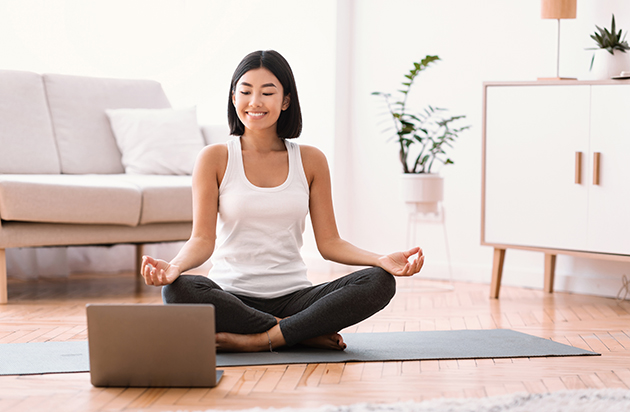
pixel 414 218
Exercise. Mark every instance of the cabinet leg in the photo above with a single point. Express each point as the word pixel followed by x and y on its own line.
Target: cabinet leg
pixel 497 272
pixel 3 278
pixel 550 272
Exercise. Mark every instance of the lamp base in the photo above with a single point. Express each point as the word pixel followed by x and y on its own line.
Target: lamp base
pixel 556 78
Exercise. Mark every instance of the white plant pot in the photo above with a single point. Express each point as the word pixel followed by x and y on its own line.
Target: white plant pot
pixel 606 65
pixel 422 191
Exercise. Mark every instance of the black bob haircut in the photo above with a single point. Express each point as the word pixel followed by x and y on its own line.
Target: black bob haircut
pixel 290 121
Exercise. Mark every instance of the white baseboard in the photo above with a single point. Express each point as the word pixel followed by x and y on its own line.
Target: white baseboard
pixel 606 285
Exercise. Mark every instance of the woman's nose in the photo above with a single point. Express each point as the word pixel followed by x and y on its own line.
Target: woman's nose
pixel 255 100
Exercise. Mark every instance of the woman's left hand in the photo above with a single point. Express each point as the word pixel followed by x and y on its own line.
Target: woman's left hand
pixel 398 263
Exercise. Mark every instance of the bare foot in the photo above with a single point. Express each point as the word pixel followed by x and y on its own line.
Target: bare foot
pixel 233 342
pixel 257 342
pixel 332 341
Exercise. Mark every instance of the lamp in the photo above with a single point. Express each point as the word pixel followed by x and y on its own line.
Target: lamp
pixel 558 9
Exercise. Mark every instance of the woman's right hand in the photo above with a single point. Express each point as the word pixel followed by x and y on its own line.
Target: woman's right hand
pixel 158 272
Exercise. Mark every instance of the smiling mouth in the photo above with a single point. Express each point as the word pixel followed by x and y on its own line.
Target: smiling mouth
pixel 256 114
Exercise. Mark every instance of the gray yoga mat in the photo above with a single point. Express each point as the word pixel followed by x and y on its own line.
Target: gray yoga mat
pixel 407 346
pixel 63 357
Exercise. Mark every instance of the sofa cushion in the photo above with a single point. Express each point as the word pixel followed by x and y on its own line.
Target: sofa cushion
pixel 27 143
pixel 164 198
pixel 77 104
pixel 95 199
pixel 157 141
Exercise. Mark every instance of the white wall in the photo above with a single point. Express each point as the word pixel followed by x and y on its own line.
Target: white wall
pixel 477 41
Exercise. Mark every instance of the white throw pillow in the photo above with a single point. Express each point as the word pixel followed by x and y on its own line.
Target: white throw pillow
pixel 157 141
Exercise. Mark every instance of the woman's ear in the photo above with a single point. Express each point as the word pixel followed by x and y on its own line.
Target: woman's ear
pixel 286 102
pixel 233 99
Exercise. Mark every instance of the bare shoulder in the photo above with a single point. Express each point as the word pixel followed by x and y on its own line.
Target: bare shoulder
pixel 212 159
pixel 213 155
pixel 314 162
pixel 215 151
pixel 312 156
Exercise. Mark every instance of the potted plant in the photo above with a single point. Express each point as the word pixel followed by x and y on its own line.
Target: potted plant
pixel 611 47
pixel 422 139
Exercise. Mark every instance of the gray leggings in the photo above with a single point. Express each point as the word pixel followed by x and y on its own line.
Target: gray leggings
pixel 308 313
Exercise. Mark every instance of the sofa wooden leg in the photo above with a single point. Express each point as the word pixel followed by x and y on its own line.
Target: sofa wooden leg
pixel 497 272
pixel 4 295
pixel 139 254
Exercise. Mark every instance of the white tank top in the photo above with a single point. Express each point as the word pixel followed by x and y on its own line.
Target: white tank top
pixel 260 230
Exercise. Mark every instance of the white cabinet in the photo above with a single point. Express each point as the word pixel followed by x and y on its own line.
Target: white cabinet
pixel 609 201
pixel 544 144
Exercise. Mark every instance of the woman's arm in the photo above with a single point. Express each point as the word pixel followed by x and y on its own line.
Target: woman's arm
pixel 207 176
pixel 329 243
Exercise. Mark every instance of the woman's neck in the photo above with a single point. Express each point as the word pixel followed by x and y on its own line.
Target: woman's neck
pixel 261 141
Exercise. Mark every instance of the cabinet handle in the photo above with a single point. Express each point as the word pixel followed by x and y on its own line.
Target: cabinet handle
pixel 596 157
pixel 578 168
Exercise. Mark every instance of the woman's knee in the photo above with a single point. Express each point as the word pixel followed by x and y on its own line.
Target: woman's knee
pixel 379 287
pixel 176 291
pixel 385 283
pixel 186 289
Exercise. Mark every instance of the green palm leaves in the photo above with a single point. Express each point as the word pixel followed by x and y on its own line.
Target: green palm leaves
pixel 428 133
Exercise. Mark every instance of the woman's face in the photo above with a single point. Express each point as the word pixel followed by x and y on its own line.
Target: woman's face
pixel 259 99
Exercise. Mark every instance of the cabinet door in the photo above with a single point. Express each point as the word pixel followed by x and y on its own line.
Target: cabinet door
pixel 532 135
pixel 609 202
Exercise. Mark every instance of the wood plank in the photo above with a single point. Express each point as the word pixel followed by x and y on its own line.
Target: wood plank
pixel 391 369
pixel 246 383
pixel 535 386
pixel 610 342
pixel 193 396
pixel 270 379
pixel 147 398
pixel 332 374
pixel 573 382
pixel 554 384
pixel 312 375
pixel 169 397
pixel 124 399
pixel 410 368
pixel 591 380
pixel 623 375
pixel 372 371
pixel 231 378
pixel 292 376
pixel 594 342
pixel 352 372
pixel 611 380
pixel 495 390
pixel 622 338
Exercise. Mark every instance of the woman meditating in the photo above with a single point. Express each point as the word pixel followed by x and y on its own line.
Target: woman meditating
pixel 258 188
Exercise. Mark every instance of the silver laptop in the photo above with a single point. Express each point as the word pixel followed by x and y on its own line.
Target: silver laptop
pixel 152 345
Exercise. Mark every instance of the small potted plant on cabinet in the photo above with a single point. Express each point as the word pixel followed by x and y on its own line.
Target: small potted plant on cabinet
pixel 610 57
pixel 422 140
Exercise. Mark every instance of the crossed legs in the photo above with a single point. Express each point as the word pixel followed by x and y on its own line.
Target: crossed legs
pixel 311 316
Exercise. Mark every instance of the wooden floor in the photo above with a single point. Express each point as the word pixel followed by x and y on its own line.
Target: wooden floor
pixel 54 311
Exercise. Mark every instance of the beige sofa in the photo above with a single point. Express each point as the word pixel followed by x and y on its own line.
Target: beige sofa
pixel 62 181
